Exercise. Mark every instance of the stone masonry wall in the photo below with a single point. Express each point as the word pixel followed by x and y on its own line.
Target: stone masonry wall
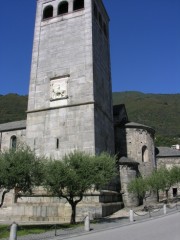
pixel 104 133
pixel 53 209
pixel 169 162
pixel 62 47
pixel 64 57
pixel 131 142
pixel 63 125
pixel 6 138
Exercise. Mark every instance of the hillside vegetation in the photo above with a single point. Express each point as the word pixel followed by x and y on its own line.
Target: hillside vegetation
pixel 160 111
pixel 12 107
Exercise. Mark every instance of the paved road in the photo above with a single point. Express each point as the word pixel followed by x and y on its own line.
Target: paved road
pixel 164 228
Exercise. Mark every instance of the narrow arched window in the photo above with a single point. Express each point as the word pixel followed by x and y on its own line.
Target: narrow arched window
pixel 57 143
pixel 144 154
pixel 63 8
pixel 105 30
pixel 13 142
pixel 78 4
pixel 48 12
pixel 100 20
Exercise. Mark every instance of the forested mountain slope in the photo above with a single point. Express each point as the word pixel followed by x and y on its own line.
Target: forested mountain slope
pixel 160 111
pixel 12 107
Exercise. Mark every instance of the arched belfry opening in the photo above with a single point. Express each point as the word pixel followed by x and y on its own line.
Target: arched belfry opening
pixel 144 154
pixel 13 143
pixel 78 4
pixel 48 12
pixel 63 7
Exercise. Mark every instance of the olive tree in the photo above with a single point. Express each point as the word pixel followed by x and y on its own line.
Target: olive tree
pixel 161 179
pixel 175 174
pixel 19 169
pixel 157 181
pixel 75 174
pixel 139 186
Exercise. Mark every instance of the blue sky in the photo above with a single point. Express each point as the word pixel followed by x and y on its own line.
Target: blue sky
pixel 144 37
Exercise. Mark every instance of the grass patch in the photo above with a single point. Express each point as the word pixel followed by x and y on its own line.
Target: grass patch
pixel 4 231
pixel 33 229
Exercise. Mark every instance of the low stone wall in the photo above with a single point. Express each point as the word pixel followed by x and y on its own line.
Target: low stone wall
pixel 53 209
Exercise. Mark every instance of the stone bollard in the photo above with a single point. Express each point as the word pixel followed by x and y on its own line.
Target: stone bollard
pixel 131 216
pixel 13 231
pixel 87 223
pixel 164 209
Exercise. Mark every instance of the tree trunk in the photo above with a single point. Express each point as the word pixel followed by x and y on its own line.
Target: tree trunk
pixel 167 195
pixel 2 197
pixel 157 196
pixel 73 213
pixel 73 207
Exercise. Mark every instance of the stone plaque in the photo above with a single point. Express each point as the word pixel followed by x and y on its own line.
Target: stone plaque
pixel 58 88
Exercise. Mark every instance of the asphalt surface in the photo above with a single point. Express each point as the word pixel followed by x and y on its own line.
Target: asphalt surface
pixel 163 228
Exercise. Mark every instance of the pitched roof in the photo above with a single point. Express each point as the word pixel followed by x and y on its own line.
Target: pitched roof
pixel 167 152
pixel 10 126
pixel 119 114
pixel 138 125
pixel 127 161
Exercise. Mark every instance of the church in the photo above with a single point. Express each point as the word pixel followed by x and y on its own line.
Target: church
pixel 70 108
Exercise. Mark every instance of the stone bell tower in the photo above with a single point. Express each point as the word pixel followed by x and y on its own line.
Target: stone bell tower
pixel 70 104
